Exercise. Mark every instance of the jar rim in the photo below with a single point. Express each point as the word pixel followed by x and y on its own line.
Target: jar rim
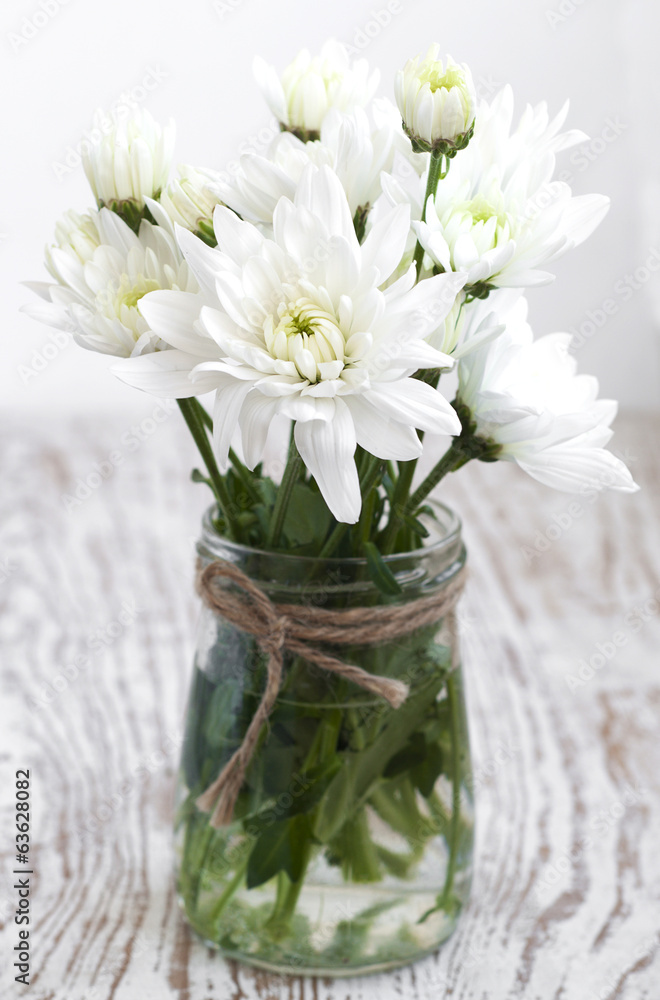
pixel 444 541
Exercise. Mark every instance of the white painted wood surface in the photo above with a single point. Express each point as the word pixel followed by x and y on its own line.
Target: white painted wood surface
pixel 566 898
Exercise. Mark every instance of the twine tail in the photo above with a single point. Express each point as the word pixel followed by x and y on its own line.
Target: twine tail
pixel 392 690
pixel 222 794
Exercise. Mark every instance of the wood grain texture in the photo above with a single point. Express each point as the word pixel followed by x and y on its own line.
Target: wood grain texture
pixel 566 897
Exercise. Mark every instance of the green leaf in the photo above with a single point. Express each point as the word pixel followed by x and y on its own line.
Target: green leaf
pixel 423 758
pixel 280 847
pixel 307 516
pixel 416 525
pixel 380 572
pixel 306 791
pixel 425 774
pixel 413 753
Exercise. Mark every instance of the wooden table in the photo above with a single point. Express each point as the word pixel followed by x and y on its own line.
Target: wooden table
pixel 97 632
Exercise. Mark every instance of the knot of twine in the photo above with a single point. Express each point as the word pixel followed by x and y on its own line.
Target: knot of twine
pixel 280 627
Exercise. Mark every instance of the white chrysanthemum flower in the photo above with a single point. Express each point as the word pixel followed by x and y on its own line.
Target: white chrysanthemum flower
pixel 103 270
pixel 437 102
pixel 525 396
pixel 301 328
pixel 357 153
pixel 311 85
pixel 131 162
pixel 189 200
pixel 498 215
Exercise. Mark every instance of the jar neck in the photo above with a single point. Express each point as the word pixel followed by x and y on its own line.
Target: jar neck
pixel 289 578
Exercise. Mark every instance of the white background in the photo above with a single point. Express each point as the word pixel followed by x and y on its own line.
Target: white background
pixel 196 59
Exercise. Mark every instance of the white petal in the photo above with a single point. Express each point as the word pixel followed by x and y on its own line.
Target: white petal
pixel 205 261
pixel 163 373
pixel 49 313
pixel 413 402
pixel 239 240
pixel 171 315
pixel 229 399
pixel 256 416
pixel 381 435
pixel 321 191
pixel 385 245
pixel 271 88
pixel 114 231
pixel 161 216
pixel 582 215
pixel 428 303
pixel 572 469
pixel 40 288
pixel 327 448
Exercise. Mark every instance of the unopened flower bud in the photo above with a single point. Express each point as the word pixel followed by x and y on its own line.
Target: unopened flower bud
pixel 437 103
pixel 311 85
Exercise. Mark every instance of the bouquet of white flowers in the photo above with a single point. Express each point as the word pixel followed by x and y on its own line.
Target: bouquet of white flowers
pixel 320 292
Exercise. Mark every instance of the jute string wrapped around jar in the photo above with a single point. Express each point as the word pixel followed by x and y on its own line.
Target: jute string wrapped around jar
pixel 292 627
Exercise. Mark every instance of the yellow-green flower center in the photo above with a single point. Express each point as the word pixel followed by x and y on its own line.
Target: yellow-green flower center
pixel 306 334
pixel 482 210
pixel 129 292
pixel 432 73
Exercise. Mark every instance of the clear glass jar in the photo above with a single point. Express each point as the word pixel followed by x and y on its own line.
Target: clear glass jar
pixel 351 845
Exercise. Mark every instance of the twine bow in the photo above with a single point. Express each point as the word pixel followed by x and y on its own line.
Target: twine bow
pixel 280 627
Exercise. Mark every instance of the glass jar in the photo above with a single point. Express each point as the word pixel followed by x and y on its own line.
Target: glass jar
pixel 350 847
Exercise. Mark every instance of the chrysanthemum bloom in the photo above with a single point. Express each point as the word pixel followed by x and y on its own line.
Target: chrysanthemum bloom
pixel 437 103
pixel 498 214
pixel 130 163
pixel 525 397
pixel 311 85
pixel 102 269
pixel 298 326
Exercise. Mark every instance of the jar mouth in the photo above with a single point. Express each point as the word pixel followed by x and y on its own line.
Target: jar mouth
pixel 444 537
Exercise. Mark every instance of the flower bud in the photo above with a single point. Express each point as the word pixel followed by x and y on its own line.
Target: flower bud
pixel 310 86
pixel 130 163
pixel 437 103
pixel 189 201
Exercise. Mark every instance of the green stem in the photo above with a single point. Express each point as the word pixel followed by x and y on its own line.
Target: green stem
pixel 241 470
pixel 203 413
pixel 195 423
pixel 453 459
pixel 229 889
pixel 359 857
pixel 390 810
pixel 405 479
pixel 245 476
pixel 401 490
pixel 444 899
pixel 366 517
pixel 284 492
pixel 286 899
pixel 455 786
pixel 435 174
